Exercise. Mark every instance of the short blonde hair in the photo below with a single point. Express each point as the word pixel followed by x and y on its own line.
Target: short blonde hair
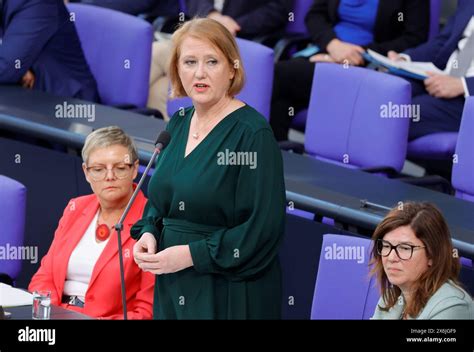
pixel 106 137
pixel 219 37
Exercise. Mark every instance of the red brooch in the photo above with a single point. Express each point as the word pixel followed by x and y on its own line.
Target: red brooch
pixel 102 232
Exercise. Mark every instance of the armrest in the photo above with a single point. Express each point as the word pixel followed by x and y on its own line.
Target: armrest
pixel 283 45
pixel 294 147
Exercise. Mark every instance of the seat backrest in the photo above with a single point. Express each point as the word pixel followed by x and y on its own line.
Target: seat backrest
pixel 299 11
pixel 463 168
pixel 354 117
pixel 117 48
pixel 12 222
pixel 435 13
pixel 258 65
pixel 344 289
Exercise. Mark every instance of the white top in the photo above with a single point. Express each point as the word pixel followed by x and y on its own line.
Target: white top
pixel 219 5
pixel 82 262
pixel 454 56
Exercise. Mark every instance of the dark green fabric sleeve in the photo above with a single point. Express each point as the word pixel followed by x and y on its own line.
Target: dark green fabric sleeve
pixel 247 250
pixel 150 222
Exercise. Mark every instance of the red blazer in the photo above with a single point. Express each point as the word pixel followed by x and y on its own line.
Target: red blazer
pixel 103 297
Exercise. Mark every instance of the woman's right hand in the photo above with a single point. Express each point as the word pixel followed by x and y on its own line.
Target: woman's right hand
pixel 341 51
pixel 146 245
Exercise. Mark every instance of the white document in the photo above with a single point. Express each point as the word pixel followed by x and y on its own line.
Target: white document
pixel 416 67
pixel 14 297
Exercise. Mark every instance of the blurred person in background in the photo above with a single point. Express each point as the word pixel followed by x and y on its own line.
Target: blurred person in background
pixel 343 30
pixel 40 49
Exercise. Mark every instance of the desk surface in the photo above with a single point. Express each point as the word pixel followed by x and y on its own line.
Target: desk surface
pixel 337 192
pixel 57 313
pixel 29 111
pixel 327 189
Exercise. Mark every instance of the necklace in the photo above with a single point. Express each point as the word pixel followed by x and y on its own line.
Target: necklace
pixel 197 134
pixel 102 231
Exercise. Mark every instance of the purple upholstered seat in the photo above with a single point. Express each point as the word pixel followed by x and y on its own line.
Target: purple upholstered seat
pixel 343 287
pixel 117 47
pixel 433 146
pixel 347 117
pixel 12 222
pixel 463 169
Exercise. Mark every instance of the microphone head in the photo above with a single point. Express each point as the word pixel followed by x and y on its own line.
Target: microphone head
pixel 164 139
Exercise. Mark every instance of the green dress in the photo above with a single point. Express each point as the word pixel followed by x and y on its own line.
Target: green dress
pixel 226 199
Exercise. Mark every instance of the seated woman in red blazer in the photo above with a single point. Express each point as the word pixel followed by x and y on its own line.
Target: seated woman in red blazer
pixel 81 268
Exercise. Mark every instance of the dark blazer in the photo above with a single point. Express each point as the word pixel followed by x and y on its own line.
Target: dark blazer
pixel 389 32
pixel 136 7
pixel 441 48
pixel 38 36
pixel 255 17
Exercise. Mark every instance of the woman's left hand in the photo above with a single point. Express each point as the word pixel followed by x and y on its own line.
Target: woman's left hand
pixel 169 260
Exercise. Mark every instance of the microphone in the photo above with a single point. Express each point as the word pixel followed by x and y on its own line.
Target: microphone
pixel 161 143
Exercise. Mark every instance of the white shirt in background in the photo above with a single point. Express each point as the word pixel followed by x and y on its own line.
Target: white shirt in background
pixel 219 5
pixel 454 56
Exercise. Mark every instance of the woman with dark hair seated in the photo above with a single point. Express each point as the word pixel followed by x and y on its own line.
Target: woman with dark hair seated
pixel 343 29
pixel 417 267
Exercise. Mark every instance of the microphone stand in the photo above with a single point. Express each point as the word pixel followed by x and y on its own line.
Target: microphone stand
pixel 119 226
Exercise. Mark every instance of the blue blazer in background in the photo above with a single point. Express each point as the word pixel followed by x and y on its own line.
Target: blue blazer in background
pixel 37 35
pixel 440 49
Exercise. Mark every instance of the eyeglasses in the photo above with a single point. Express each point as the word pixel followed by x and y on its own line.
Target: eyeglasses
pixel 99 173
pixel 403 250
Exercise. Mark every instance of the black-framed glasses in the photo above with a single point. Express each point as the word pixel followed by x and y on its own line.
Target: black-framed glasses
pixel 99 172
pixel 404 250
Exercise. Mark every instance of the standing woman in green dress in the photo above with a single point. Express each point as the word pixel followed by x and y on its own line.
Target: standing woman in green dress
pixel 216 211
